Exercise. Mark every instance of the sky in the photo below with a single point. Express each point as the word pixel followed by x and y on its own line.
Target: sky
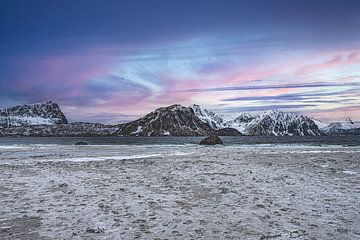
pixel 114 61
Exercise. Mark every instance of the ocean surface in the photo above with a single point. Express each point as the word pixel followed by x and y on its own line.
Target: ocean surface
pixel 243 140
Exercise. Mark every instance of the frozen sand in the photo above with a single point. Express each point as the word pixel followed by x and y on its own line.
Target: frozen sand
pixel 179 192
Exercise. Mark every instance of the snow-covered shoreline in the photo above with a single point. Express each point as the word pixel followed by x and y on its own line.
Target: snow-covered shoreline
pixel 180 191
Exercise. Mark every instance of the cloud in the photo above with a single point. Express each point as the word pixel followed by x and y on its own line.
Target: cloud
pixel 335 62
pixel 314 96
pixel 336 113
pixel 265 87
pixel 264 108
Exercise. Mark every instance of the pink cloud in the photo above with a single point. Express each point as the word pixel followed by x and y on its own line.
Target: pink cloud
pixel 58 76
pixel 336 114
pixel 339 60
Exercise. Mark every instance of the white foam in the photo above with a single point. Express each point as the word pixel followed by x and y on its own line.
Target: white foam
pixel 90 159
pixel 6 147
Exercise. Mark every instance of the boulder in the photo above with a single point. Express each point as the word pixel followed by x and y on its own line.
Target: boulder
pixel 81 143
pixel 211 140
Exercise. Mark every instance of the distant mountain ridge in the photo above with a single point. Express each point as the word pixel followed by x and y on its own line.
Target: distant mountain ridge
pixel 271 122
pixel 47 119
pixel 347 127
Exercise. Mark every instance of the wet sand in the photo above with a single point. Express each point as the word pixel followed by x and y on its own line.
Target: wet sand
pixel 179 192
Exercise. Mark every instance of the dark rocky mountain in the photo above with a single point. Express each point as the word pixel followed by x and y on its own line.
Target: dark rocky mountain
pixel 175 120
pixel 278 123
pixel 46 113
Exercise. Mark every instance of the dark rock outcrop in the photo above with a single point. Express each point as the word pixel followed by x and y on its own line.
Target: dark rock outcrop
pixel 80 143
pixel 211 140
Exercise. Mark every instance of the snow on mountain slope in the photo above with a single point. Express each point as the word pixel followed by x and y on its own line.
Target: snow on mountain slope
pixel 47 113
pixel 240 122
pixel 215 121
pixel 272 122
pixel 321 125
pixel 218 121
pixel 344 127
pixel 278 123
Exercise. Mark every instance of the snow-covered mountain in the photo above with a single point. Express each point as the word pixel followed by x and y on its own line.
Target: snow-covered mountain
pixel 343 128
pixel 321 125
pixel 218 121
pixel 272 122
pixel 240 122
pixel 175 120
pixel 45 113
pixel 278 123
pixel 215 120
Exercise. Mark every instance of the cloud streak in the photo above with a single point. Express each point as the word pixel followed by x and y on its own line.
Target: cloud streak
pixel 266 87
pixel 291 97
pixel 265 108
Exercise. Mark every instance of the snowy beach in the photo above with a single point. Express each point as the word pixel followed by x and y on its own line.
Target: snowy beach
pixel 179 191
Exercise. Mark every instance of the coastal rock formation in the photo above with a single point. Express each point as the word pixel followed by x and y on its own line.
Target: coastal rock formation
pixel 211 140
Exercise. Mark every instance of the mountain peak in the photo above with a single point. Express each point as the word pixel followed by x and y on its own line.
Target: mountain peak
pixel 174 120
pixel 215 121
pixel 273 111
pixel 274 122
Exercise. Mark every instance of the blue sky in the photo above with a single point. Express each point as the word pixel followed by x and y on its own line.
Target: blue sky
pixel 113 61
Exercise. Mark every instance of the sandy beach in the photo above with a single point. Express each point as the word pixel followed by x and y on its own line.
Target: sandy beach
pixel 266 191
